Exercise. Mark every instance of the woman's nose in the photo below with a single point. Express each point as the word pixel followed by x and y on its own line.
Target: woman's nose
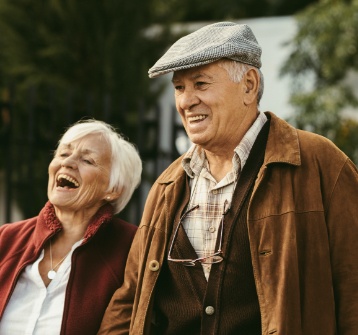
pixel 69 162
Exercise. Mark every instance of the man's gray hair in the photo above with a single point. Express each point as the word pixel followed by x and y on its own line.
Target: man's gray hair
pixel 236 71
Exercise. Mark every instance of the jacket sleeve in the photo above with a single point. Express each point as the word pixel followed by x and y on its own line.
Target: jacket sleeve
pixel 342 220
pixel 130 309
pixel 117 317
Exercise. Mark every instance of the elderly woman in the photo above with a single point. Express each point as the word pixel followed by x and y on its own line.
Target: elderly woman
pixel 59 270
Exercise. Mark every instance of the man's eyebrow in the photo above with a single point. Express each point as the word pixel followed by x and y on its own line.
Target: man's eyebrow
pixel 195 76
pixel 200 75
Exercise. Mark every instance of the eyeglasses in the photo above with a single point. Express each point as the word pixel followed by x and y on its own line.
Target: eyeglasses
pixel 216 257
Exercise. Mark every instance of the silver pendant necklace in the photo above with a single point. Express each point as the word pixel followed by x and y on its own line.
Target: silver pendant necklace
pixel 52 273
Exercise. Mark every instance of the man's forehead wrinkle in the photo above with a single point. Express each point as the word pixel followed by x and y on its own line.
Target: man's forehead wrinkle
pixel 193 76
pixel 200 75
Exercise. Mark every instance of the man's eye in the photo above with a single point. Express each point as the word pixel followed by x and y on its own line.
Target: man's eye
pixel 200 83
pixel 87 161
pixel 179 88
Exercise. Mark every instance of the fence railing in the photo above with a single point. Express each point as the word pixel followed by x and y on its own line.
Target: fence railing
pixel 29 132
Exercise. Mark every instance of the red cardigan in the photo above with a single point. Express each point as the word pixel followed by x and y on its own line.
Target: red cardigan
pixel 97 264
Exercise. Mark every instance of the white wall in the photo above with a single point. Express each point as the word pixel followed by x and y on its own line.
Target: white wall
pixel 271 34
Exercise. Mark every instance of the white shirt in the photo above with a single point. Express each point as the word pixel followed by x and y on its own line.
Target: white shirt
pixel 35 309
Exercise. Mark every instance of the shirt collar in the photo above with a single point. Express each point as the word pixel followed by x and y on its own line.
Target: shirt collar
pixel 194 160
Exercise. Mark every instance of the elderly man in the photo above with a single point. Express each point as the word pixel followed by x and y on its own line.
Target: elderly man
pixel 252 231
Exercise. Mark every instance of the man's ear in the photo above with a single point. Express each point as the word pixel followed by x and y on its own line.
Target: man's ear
pixel 251 86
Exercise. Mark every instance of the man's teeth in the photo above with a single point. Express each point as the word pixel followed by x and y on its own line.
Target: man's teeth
pixel 70 179
pixel 196 118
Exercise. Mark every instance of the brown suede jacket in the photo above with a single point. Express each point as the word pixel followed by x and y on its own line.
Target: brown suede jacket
pixel 303 230
pixel 97 267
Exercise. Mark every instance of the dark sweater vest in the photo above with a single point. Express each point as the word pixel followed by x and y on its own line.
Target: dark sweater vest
pixel 187 304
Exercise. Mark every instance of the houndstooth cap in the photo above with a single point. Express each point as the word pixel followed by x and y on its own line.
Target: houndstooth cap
pixel 209 44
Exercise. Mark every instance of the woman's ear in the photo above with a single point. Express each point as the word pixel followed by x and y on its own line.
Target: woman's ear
pixel 251 82
pixel 113 195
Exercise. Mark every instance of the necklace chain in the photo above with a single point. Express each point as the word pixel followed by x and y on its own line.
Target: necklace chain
pixel 52 273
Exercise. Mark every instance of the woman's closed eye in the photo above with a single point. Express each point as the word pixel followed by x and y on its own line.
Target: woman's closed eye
pixel 88 161
pixel 64 154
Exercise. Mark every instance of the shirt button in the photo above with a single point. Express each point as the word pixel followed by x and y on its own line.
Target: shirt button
pixel 153 265
pixel 212 229
pixel 209 310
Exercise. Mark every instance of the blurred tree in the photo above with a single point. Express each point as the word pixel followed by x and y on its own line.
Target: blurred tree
pixel 347 138
pixel 64 60
pixel 96 46
pixel 323 66
pixel 198 10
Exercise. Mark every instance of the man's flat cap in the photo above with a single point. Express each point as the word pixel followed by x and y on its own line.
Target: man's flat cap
pixel 209 44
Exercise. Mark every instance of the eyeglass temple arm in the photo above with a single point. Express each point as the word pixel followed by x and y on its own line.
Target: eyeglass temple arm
pixel 177 228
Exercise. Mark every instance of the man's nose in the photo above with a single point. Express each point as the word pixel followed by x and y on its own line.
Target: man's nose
pixel 187 99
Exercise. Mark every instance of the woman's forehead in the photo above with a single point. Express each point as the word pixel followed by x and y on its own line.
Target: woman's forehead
pixel 93 143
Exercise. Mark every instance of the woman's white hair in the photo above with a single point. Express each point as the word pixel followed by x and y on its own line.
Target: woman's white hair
pixel 236 71
pixel 126 165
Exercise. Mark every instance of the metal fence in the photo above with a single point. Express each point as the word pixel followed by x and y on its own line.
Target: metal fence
pixel 30 131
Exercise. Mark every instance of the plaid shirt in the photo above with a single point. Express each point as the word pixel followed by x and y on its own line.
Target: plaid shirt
pixel 202 224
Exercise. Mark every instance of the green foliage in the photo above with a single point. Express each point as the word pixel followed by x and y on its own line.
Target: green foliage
pixel 92 45
pixel 213 10
pixel 347 138
pixel 63 60
pixel 324 64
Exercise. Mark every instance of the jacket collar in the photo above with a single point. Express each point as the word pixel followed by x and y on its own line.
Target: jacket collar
pixel 282 143
pixel 48 224
pixel 282 147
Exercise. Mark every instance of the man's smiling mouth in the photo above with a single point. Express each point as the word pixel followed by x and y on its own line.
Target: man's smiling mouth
pixel 197 118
